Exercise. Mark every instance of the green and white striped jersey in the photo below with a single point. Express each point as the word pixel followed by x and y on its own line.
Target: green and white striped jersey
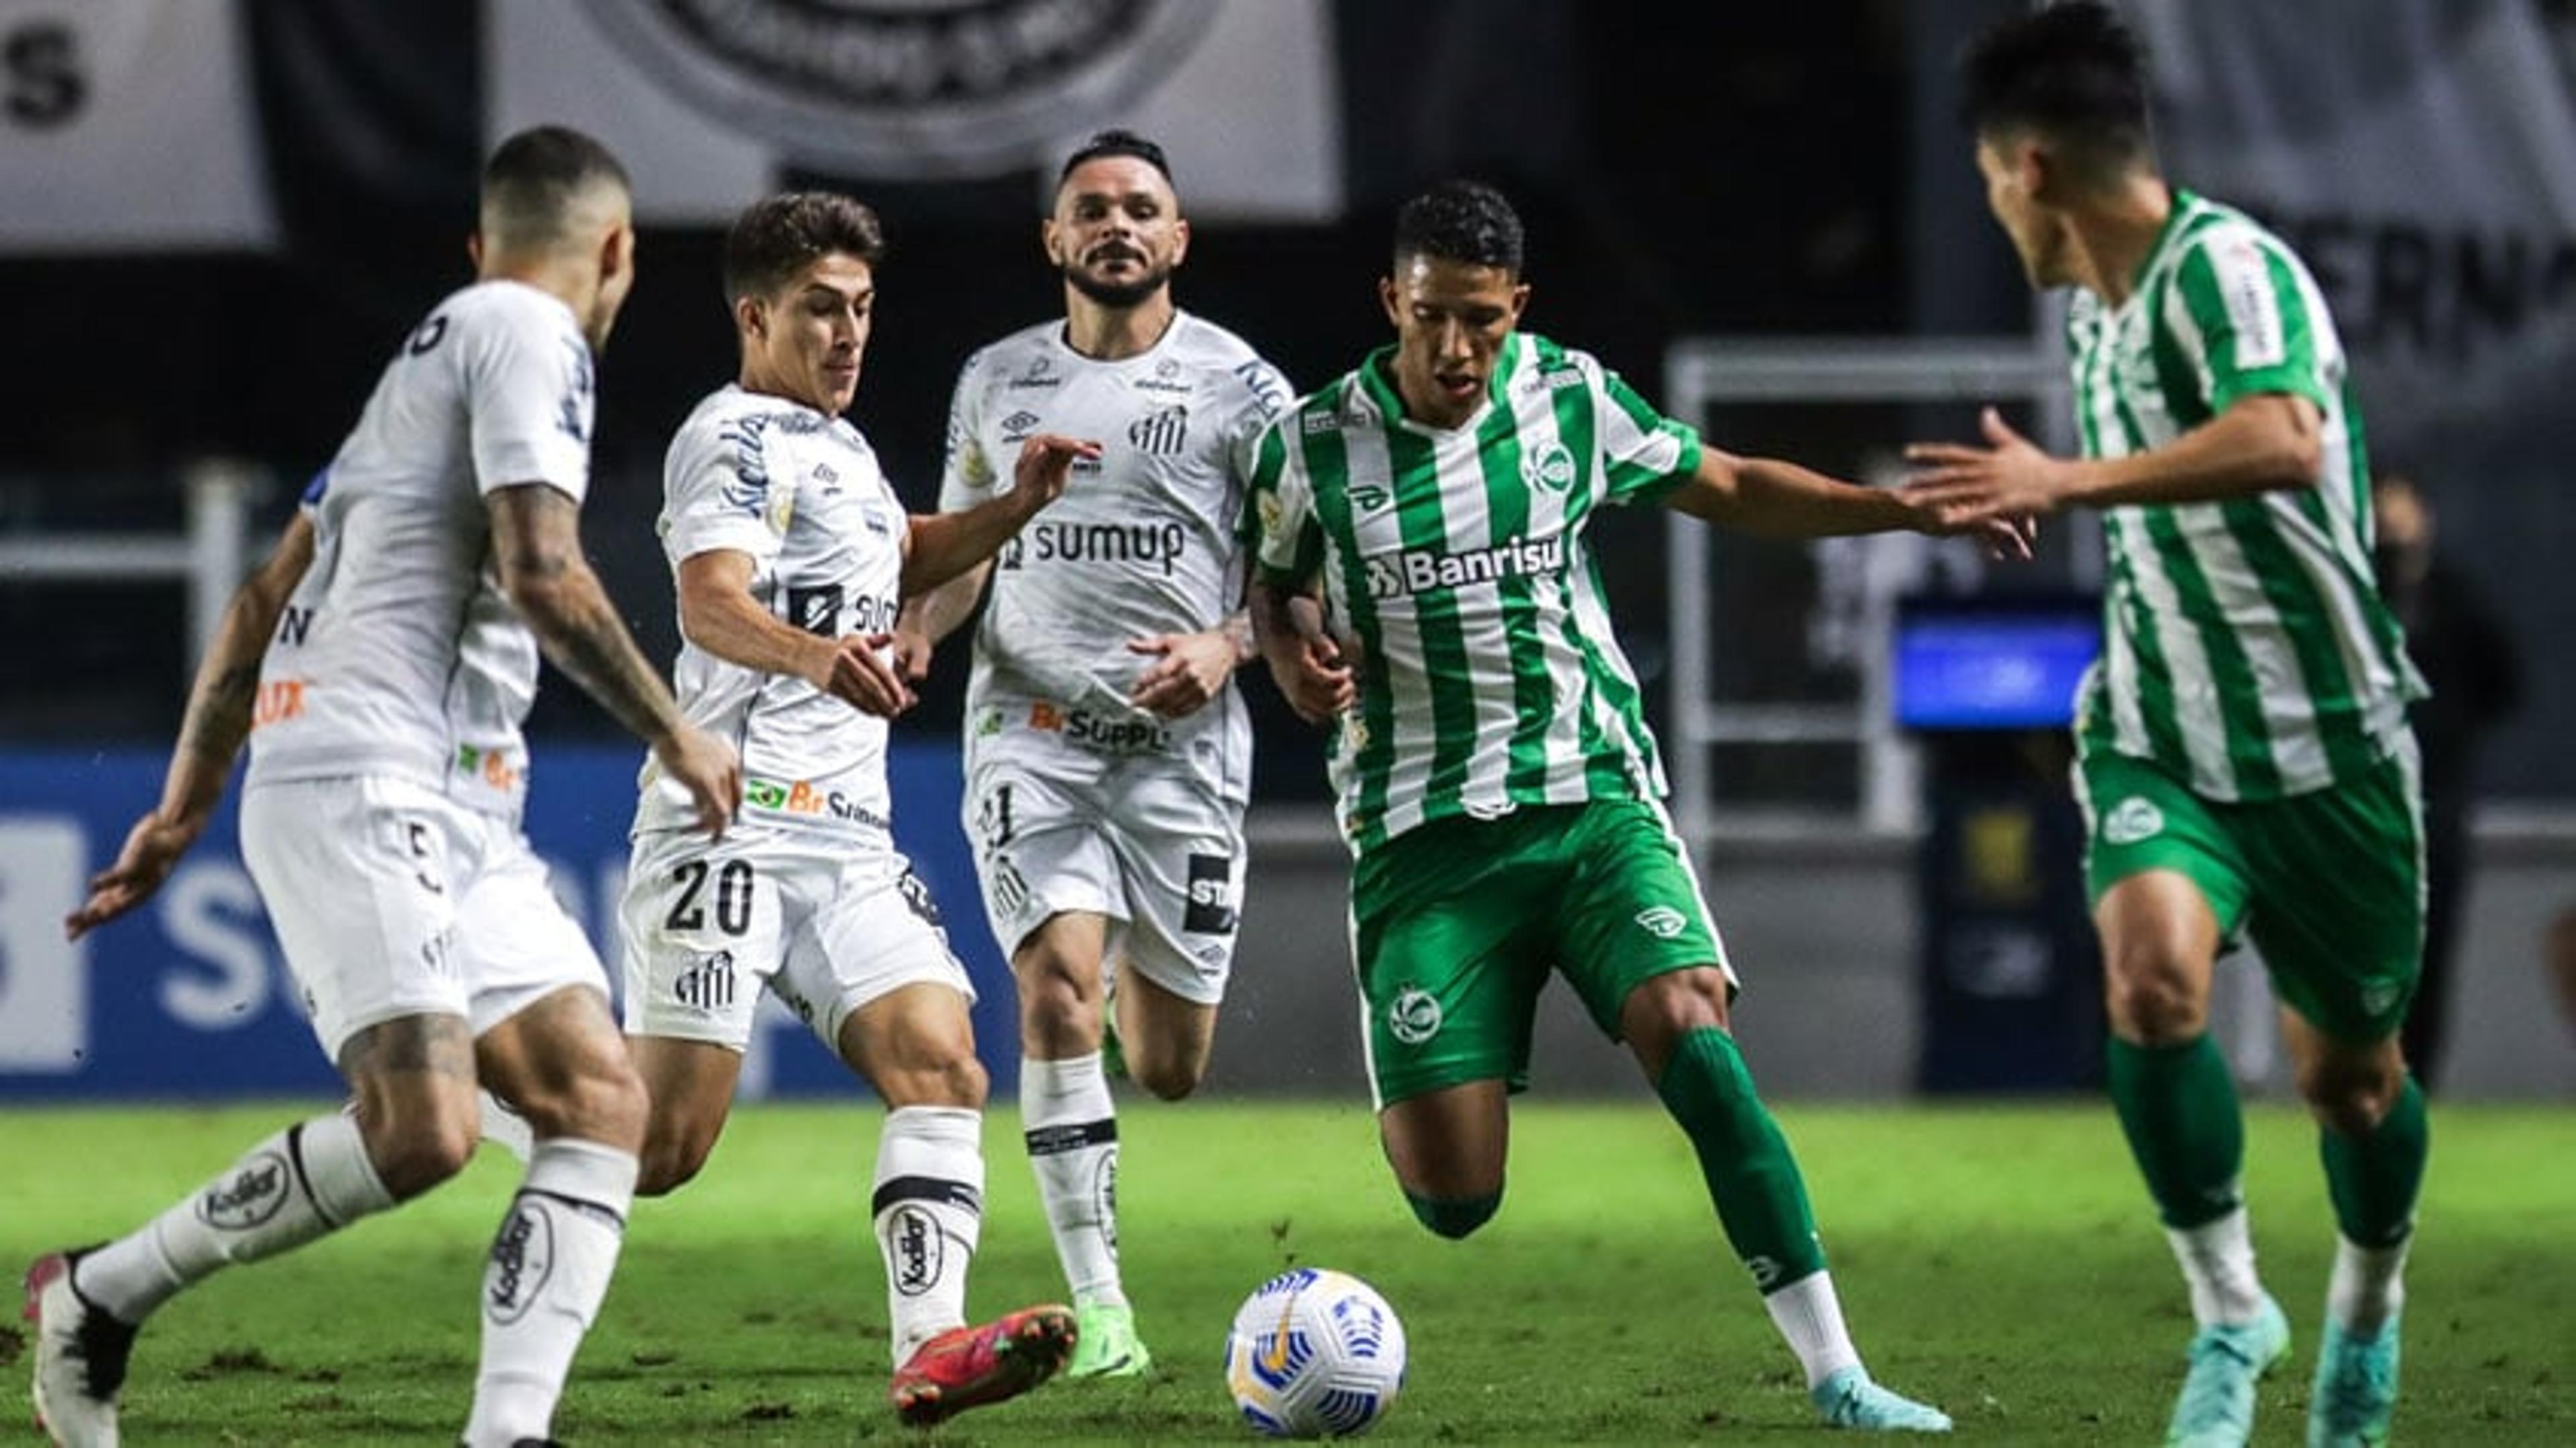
pixel 2246 648
pixel 1455 559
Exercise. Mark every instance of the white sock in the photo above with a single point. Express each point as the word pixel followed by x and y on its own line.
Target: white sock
pixel 2217 1260
pixel 307 1181
pixel 1072 1135
pixel 928 1204
pixel 2368 1286
pixel 1811 1318
pixel 543 1284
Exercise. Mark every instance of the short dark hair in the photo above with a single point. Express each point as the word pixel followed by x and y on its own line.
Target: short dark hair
pixel 1116 142
pixel 1466 221
pixel 775 238
pixel 535 177
pixel 2072 71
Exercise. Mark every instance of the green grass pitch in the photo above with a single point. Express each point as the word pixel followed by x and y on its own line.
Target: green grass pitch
pixel 1997 1260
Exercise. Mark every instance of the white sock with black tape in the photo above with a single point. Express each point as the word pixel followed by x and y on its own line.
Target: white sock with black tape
pixel 542 1286
pixel 928 1206
pixel 307 1181
pixel 1071 1129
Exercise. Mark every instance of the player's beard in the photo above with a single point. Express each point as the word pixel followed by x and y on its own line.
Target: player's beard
pixel 1119 294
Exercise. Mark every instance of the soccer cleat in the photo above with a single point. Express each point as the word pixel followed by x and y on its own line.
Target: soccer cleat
pixel 968 1367
pixel 2216 1408
pixel 1848 1399
pixel 2356 1388
pixel 80 1356
pixel 1105 1344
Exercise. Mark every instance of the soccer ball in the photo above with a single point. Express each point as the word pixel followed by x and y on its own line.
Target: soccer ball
pixel 1314 1354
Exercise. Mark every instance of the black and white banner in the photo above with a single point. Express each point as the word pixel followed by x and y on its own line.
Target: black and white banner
pixel 127 125
pixel 709 100
pixel 2421 155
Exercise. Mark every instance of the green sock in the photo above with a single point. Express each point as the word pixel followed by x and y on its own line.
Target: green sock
pixel 1761 1200
pixel 2178 1106
pixel 2373 1179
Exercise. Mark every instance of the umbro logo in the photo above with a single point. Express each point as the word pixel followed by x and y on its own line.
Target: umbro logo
pixel 1371 497
pixel 1017 426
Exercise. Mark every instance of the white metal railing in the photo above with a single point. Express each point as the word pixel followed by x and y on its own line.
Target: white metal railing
pixel 1701 372
pixel 208 555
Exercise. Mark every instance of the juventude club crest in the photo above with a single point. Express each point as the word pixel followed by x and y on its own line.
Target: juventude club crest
pixel 2131 820
pixel 1415 1016
pixel 908 89
pixel 1550 468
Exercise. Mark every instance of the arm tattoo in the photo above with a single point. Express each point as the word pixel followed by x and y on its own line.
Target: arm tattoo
pixel 218 718
pixel 536 531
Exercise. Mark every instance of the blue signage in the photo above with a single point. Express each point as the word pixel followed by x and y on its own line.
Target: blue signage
pixel 189 997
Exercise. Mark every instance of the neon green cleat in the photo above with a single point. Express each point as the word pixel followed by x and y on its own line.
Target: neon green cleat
pixel 1848 1399
pixel 2216 1408
pixel 2356 1388
pixel 1105 1344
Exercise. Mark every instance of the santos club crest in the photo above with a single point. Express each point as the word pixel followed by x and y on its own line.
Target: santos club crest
pixel 908 89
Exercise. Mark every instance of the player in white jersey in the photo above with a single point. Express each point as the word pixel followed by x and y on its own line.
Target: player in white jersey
pixel 385 655
pixel 791 554
pixel 1108 754
pixel 2242 749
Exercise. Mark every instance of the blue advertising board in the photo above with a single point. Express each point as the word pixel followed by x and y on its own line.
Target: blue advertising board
pixel 188 997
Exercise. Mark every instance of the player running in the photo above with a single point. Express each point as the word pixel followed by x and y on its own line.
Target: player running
pixel 381 662
pixel 1495 776
pixel 791 553
pixel 1108 755
pixel 2243 756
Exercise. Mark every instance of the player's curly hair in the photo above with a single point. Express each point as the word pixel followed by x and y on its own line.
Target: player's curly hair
pixel 2073 71
pixel 775 238
pixel 1466 221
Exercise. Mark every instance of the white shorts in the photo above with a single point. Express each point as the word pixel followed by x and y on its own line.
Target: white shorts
pixel 826 924
pixel 391 900
pixel 1141 841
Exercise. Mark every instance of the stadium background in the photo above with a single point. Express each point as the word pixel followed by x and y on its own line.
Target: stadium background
pixel 216 216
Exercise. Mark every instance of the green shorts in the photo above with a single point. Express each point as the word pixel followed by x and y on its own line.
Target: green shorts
pixel 2329 884
pixel 1456 924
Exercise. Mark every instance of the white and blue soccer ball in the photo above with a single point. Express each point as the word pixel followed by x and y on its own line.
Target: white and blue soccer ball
pixel 1314 1354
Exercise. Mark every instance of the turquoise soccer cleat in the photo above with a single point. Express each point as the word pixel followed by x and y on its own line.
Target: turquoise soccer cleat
pixel 1105 1344
pixel 2355 1393
pixel 2216 1408
pixel 1848 1399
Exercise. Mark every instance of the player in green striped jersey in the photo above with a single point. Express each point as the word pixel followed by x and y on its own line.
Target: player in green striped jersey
pixel 2243 754
pixel 1497 781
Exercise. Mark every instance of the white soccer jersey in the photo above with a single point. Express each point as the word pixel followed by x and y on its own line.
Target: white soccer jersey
pixel 1142 542
pixel 399 654
pixel 802 494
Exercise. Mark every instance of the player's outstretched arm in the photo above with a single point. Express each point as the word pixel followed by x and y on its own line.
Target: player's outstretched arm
pixel 1773 499
pixel 940 546
pixel 1305 662
pixel 536 538
pixel 220 708
pixel 719 615
pixel 2262 442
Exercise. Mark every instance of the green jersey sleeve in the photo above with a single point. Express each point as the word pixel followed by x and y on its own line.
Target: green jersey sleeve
pixel 2247 300
pixel 1644 453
